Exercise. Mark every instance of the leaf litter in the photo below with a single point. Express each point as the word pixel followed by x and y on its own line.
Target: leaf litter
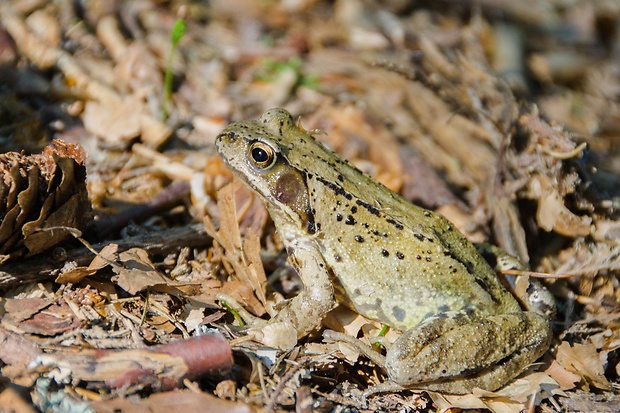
pixel 503 124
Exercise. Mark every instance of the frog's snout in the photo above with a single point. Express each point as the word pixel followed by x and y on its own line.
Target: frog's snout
pixel 225 136
pixel 226 139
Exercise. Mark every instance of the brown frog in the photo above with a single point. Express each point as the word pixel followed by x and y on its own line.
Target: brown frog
pixel 355 242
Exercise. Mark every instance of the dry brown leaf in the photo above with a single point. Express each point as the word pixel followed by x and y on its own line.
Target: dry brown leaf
pixel 136 271
pixel 552 213
pixel 40 316
pixel 522 390
pixel 102 260
pixel 512 398
pixel 244 294
pixel 565 378
pixel 446 403
pixel 21 309
pixel 585 361
pixel 116 120
pixel 344 320
pixel 251 250
pixel 240 257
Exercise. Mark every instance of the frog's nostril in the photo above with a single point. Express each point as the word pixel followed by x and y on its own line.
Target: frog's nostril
pixel 229 136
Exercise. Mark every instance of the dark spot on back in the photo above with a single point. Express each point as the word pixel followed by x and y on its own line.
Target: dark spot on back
pixel 337 189
pixel 397 224
pixel 399 313
pixel 369 207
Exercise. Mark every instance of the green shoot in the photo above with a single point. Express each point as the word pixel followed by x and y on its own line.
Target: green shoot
pixel 382 333
pixel 178 31
pixel 234 313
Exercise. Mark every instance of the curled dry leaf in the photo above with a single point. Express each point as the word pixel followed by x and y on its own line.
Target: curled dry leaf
pixel 40 316
pixel 585 361
pixel 552 212
pixel 239 257
pixel 137 272
pixel 511 398
pixel 565 378
pixel 39 192
pixel 74 275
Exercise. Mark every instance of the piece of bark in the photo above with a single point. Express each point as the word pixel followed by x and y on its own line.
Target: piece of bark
pixel 182 401
pixel 48 265
pixel 162 367
pixel 167 199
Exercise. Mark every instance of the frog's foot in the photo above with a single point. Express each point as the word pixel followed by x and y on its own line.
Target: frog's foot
pixel 456 351
pixel 386 387
pixel 532 295
pixel 370 353
pixel 357 344
pixel 276 332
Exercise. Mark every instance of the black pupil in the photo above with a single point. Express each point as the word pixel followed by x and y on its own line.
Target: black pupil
pixel 260 155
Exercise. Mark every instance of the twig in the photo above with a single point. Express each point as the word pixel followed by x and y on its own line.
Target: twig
pixel 165 200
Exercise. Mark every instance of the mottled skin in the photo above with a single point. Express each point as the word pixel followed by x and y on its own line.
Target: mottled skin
pixel 355 242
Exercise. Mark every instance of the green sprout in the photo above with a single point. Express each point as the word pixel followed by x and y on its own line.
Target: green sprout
pixel 234 313
pixel 178 31
pixel 382 333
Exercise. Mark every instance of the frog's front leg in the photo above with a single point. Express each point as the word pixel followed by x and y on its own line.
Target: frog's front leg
pixel 306 310
pixel 456 351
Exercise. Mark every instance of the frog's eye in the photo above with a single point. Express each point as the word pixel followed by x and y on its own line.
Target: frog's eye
pixel 262 155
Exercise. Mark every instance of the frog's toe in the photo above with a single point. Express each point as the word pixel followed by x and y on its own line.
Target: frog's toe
pixel 388 386
pixel 357 344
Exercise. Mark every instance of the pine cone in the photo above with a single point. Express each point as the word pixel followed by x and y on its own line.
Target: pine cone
pixel 38 192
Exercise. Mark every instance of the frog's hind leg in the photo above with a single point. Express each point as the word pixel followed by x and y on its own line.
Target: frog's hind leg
pixel 454 352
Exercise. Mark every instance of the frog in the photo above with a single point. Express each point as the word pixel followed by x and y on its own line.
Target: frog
pixel 356 243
